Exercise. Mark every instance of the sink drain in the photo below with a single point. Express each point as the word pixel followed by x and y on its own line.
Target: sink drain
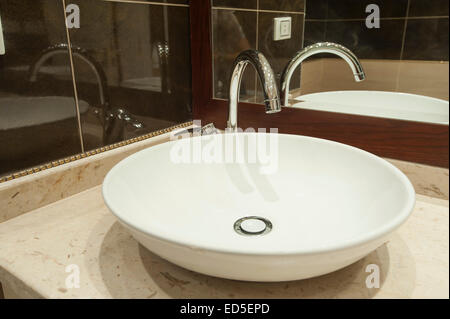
pixel 252 225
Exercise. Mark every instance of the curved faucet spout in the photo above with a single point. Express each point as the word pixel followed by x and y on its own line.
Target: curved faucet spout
pixel 321 47
pixel 266 76
pixel 63 48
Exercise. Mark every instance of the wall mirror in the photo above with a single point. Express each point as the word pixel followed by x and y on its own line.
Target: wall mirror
pixel 384 36
pixel 128 74
pixel 400 110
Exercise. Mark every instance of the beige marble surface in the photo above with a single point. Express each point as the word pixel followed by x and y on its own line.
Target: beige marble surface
pixel 427 180
pixel 30 192
pixel 37 247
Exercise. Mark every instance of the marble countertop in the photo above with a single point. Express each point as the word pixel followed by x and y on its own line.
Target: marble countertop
pixel 37 247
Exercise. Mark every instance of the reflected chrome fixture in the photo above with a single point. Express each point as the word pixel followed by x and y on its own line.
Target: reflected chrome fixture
pixel 123 115
pixel 321 47
pixel 266 76
pixel 207 129
pixel 163 56
pixel 114 120
pixel 78 52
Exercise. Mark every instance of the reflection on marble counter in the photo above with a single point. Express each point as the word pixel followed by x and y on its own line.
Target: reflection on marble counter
pixel 38 246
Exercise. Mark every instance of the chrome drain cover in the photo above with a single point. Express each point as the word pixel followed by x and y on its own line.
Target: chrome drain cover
pixel 252 225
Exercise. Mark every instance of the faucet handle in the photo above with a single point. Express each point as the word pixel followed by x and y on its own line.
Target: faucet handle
pixel 208 129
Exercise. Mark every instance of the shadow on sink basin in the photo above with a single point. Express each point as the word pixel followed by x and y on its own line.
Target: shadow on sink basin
pixel 241 182
pixel 129 270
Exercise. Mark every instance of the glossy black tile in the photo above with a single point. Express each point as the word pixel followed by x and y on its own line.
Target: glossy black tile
pixel 316 9
pixel 283 5
pixel 143 50
pixel 426 39
pixel 233 32
pixel 356 9
pixel 420 8
pixel 315 31
pixel 244 4
pixel 382 43
pixel 385 42
pixel 38 120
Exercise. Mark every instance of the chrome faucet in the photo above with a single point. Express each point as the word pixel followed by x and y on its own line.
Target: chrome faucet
pixel 266 76
pixel 321 47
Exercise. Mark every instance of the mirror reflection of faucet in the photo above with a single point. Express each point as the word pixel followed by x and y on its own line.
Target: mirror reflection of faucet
pixel 158 82
pixel 163 55
pixel 317 48
pixel 268 79
pixel 77 52
pixel 113 120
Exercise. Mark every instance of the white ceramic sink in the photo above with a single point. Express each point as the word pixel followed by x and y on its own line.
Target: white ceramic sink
pixel 329 205
pixel 403 106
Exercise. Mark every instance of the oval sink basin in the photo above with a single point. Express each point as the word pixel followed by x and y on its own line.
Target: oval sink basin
pixel 309 207
pixel 394 105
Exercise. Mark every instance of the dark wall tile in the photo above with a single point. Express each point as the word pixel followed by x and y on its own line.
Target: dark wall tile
pixel 315 31
pixel 382 43
pixel 283 5
pixel 37 118
pixel 420 8
pixel 316 9
pixel 244 4
pixel 233 32
pixel 426 39
pixel 170 1
pixel 125 40
pixel 356 9
pixel 385 42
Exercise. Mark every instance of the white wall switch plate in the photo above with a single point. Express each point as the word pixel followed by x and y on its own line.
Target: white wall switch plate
pixel 282 28
pixel 2 43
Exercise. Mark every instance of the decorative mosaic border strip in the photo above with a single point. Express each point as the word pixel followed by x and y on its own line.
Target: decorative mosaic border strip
pixel 92 152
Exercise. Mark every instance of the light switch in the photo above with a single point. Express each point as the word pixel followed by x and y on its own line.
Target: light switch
pixel 285 28
pixel 282 28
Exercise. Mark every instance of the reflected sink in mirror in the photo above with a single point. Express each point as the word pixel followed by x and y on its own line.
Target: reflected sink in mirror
pixel 310 207
pixel 392 105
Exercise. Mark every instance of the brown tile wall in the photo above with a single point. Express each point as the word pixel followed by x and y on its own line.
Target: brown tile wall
pixel 409 29
pixel 408 53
